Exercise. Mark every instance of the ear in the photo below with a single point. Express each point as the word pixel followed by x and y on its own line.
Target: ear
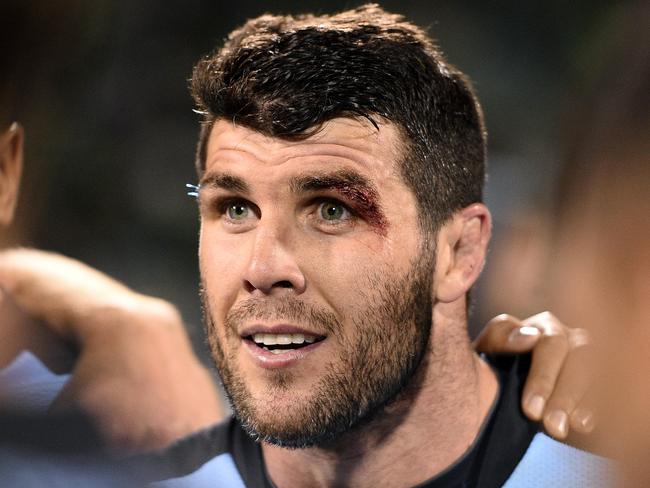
pixel 462 248
pixel 11 166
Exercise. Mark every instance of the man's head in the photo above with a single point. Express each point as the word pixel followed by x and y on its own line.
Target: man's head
pixel 339 160
pixel 284 77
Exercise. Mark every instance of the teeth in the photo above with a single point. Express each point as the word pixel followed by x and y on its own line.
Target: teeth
pixel 275 351
pixel 284 339
pixel 297 338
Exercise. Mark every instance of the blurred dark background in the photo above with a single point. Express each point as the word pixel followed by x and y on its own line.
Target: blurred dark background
pixel 111 134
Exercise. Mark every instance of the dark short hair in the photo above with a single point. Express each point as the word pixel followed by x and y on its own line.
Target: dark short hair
pixel 285 76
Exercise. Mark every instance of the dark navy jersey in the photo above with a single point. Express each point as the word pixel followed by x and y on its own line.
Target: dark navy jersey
pixel 509 451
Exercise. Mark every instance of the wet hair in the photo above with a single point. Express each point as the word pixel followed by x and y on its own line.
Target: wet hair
pixel 286 76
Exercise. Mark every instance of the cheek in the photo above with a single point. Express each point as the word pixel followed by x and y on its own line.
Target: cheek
pixel 221 265
pixel 346 272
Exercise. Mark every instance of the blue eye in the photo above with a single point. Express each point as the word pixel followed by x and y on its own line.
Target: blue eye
pixel 334 211
pixel 237 211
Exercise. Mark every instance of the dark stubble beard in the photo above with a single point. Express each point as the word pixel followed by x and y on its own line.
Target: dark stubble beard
pixel 379 355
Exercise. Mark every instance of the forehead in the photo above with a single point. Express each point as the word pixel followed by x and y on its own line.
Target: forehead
pixel 340 143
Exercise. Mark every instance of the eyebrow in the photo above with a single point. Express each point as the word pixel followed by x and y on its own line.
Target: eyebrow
pixel 353 186
pixel 225 181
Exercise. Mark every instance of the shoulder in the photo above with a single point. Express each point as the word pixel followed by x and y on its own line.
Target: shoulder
pixel 548 462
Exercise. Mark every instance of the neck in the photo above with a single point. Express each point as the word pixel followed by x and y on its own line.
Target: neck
pixel 424 431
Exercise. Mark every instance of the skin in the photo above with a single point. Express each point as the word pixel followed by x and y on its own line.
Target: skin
pixel 560 375
pixel 249 259
pixel 283 249
pixel 600 280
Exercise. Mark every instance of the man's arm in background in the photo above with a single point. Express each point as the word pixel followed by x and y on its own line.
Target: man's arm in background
pixel 135 372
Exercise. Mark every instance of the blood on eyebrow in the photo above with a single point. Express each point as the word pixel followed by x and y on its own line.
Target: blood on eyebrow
pixel 352 186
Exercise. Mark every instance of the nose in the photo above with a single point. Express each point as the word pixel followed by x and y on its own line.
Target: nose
pixel 272 267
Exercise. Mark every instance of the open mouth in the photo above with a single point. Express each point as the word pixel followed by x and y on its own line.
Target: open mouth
pixel 282 343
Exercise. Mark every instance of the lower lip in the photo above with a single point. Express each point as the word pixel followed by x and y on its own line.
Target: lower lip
pixel 267 359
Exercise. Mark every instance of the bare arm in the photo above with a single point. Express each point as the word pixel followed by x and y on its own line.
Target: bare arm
pixel 136 373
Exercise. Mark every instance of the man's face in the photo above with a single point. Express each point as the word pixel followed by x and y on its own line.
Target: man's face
pixel 317 290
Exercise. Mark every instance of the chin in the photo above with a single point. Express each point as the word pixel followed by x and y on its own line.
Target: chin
pixel 282 418
pixel 288 433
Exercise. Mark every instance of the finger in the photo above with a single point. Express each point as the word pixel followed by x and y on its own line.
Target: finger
pixel 547 323
pixel 583 418
pixel 546 363
pixel 570 387
pixel 32 276
pixel 507 334
pixel 547 360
